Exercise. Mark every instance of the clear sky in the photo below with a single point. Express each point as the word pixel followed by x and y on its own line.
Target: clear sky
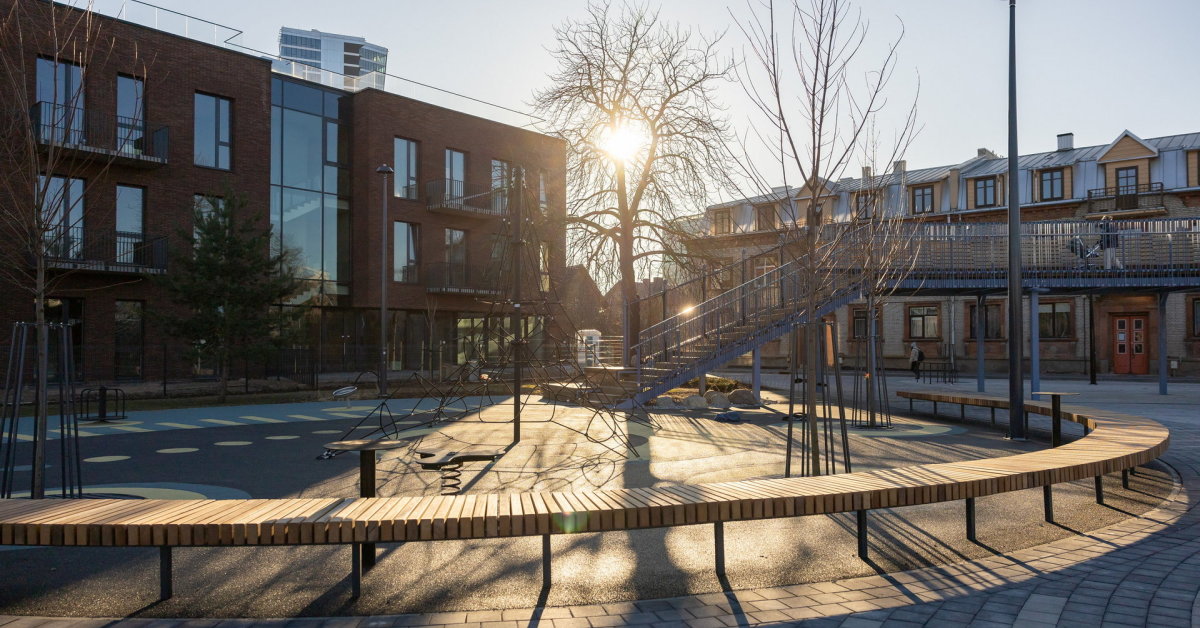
pixel 1091 67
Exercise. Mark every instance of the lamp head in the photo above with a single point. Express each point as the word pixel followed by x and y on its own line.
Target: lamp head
pixel 385 170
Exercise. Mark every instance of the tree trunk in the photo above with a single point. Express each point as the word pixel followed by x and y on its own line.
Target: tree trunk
pixel 42 412
pixel 628 275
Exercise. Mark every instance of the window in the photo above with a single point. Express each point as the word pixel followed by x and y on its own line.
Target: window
pixel 923 322
pixel 501 173
pixel 544 264
pixel 405 258
pixel 1196 317
pixel 299 53
pixel 205 205
pixel 992 319
pixel 406 168
pixel 922 199
pixel 1051 185
pixel 1054 320
pixel 456 166
pixel 542 203
pixel 131 115
pixel 985 192
pixel 298 40
pixel 858 324
pixel 131 207
pixel 62 216
pixel 1127 179
pixel 864 205
pixel 456 257
pixel 722 222
pixel 764 218
pixel 128 338
pixel 212 142
pixel 59 113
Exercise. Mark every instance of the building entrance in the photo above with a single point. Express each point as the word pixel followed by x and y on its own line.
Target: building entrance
pixel 1129 344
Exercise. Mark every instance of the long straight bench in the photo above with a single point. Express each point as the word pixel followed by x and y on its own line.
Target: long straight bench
pixel 1116 442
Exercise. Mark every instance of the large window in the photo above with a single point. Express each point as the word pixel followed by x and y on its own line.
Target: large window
pixel 501 173
pixel 923 322
pixel 213 143
pixel 992 319
pixel 722 222
pixel 59 111
pixel 858 324
pixel 985 192
pixel 405 258
pixel 456 257
pixel 1054 320
pixel 1051 185
pixel 131 115
pixel 62 215
pixel 922 199
pixel 1127 179
pixel 456 172
pixel 128 337
pixel 131 207
pixel 406 168
pixel 864 205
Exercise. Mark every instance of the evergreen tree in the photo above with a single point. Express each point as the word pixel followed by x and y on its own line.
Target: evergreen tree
pixel 227 287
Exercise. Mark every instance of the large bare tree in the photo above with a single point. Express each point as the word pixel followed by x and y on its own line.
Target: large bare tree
pixel 52 153
pixel 633 97
pixel 820 100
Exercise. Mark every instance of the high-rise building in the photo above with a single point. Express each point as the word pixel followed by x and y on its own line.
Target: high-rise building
pixel 342 54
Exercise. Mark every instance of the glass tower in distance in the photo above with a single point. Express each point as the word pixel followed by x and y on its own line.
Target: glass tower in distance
pixel 311 51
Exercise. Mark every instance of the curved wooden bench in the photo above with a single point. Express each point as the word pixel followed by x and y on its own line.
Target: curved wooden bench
pixel 1117 442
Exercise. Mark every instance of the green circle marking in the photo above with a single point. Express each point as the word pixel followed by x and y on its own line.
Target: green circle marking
pixel 327 431
pixel 282 437
pixel 178 450
pixel 106 459
pixel 232 443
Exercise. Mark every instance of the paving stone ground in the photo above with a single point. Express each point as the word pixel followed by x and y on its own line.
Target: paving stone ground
pixel 1143 571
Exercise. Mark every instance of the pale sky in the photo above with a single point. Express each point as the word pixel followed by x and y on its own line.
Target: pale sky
pixel 1091 67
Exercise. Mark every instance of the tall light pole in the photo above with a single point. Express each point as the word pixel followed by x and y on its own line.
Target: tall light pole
pixel 386 171
pixel 1016 336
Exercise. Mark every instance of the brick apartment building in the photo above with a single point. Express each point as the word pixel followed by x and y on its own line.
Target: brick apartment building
pixel 149 122
pixel 1131 181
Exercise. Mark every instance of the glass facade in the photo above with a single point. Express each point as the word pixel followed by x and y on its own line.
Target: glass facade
pixel 310 159
pixel 406 168
pixel 212 140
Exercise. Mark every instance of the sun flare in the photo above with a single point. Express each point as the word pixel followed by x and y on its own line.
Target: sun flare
pixel 623 142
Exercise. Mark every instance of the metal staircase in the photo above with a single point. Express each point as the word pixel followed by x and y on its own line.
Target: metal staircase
pixel 1159 255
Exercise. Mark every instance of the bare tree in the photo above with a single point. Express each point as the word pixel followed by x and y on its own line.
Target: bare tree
pixel 52 153
pixel 805 77
pixel 633 98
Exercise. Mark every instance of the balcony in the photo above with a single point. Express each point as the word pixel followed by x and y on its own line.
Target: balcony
pixel 112 252
pixel 96 134
pixel 445 278
pixel 1141 198
pixel 458 198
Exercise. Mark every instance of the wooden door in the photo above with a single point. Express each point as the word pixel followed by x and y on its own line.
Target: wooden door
pixel 1130 345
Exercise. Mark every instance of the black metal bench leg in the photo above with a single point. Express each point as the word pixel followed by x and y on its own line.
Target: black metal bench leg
pixel 1048 503
pixel 355 570
pixel 719 547
pixel 166 585
pixel 971 518
pixel 546 562
pixel 861 515
pixel 1125 479
pixel 368 556
pixel 1100 489
pixel 993 416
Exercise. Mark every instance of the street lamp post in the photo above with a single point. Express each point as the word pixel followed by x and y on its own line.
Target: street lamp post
pixel 386 171
pixel 1016 376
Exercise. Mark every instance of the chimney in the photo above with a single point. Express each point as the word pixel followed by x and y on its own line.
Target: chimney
pixel 983 152
pixel 1066 141
pixel 866 172
pixel 900 167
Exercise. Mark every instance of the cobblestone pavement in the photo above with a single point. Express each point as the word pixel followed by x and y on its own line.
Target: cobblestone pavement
pixel 1144 571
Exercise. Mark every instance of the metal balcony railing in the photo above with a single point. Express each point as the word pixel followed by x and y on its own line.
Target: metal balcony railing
pixel 460 197
pixel 1126 198
pixel 447 278
pixel 99 132
pixel 119 251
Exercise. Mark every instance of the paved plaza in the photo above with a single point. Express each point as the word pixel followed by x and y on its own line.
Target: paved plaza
pixel 1135 561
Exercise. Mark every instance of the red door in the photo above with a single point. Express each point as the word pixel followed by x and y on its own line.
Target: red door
pixel 1129 344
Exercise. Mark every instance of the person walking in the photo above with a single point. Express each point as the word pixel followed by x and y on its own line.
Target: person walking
pixel 915 357
pixel 1110 241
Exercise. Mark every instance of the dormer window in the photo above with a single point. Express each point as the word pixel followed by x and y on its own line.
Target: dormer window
pixel 864 205
pixel 922 199
pixel 1050 185
pixel 764 218
pixel 985 192
pixel 722 223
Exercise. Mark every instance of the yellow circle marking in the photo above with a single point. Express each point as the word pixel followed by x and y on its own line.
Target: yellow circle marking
pixel 106 459
pixel 178 450
pixel 232 443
